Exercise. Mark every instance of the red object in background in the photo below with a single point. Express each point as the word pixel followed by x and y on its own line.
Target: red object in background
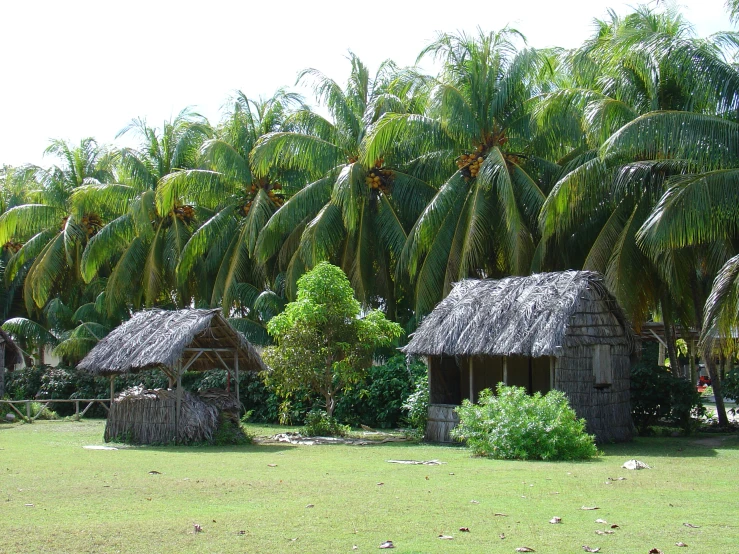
pixel 704 381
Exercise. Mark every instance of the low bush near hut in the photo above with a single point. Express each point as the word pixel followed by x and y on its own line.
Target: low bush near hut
pixel 656 394
pixel 512 424
pixel 319 424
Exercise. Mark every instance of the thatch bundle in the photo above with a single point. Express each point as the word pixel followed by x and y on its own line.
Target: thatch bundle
pixel 527 316
pixel 224 401
pixel 141 416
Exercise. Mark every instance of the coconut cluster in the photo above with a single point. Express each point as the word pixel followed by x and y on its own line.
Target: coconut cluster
pixel 91 223
pixel 470 164
pixel 186 213
pixel 379 178
pixel 277 198
pixel 12 246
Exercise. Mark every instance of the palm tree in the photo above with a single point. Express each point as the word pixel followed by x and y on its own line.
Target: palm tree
pixel 475 142
pixel 643 67
pixel 355 209
pixel 219 254
pixel 138 251
pixel 48 234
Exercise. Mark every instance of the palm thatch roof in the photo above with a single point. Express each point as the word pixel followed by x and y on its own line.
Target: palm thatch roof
pixel 13 354
pixel 518 315
pixel 160 339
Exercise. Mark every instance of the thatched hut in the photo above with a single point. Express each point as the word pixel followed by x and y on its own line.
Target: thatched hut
pixel 561 331
pixel 175 342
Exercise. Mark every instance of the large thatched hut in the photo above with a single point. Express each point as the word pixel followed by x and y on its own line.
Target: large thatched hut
pixel 175 342
pixel 547 331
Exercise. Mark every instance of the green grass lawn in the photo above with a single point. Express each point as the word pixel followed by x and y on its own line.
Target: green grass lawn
pixel 59 497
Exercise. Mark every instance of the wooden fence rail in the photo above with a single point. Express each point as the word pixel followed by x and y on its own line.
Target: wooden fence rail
pixel 104 402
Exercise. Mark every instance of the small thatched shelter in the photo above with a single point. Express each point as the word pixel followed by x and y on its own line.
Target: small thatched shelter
pixel 547 331
pixel 175 342
pixel 10 355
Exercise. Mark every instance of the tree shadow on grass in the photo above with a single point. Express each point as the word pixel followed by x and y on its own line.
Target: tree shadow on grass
pixel 697 446
pixel 213 449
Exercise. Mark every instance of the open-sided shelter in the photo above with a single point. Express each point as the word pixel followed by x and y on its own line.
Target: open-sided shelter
pixel 175 342
pixel 560 330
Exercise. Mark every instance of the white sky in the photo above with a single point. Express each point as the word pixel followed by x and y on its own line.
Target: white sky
pixel 77 68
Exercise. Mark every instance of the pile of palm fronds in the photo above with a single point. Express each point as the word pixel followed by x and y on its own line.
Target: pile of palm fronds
pixel 141 416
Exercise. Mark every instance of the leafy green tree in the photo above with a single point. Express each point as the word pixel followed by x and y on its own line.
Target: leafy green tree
pixel 355 210
pixel 475 142
pixel 322 342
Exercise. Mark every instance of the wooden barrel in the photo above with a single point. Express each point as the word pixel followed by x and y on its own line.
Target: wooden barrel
pixel 442 419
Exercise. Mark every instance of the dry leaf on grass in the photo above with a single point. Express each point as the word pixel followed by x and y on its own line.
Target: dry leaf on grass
pixel 599 532
pixel 380 484
pixel 656 551
pixel 603 521
pixel 498 514
pixel 154 472
pixel 555 520
pixel 680 544
pixel 474 502
pixel 310 506
pixel 197 528
pixel 590 508
pixel 617 478
pixel 355 547
pixel 464 529
pixel 525 549
pixel 387 544
pixel 691 525
pixel 242 532
pixel 502 535
pixel 615 526
pixel 446 537
pixel 587 548
pixel 271 465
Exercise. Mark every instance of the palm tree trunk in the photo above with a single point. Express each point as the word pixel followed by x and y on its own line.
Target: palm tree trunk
pixel 670 335
pixel 723 421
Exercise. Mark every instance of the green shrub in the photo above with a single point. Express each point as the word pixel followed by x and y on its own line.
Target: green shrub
pixel 319 424
pixel 730 384
pixel 512 424
pixel 658 395
pixel 378 400
pixel 230 433
pixel 417 405
pixel 708 391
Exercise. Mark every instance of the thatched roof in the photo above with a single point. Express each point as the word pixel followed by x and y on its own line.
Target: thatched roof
pixel 13 354
pixel 160 338
pixel 518 315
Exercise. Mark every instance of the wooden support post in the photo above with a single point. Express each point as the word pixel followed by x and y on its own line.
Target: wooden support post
pixel 178 403
pixel 505 370
pixel 552 369
pixel 112 389
pixel 77 410
pixel 236 368
pixel 472 382
pixel 28 411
